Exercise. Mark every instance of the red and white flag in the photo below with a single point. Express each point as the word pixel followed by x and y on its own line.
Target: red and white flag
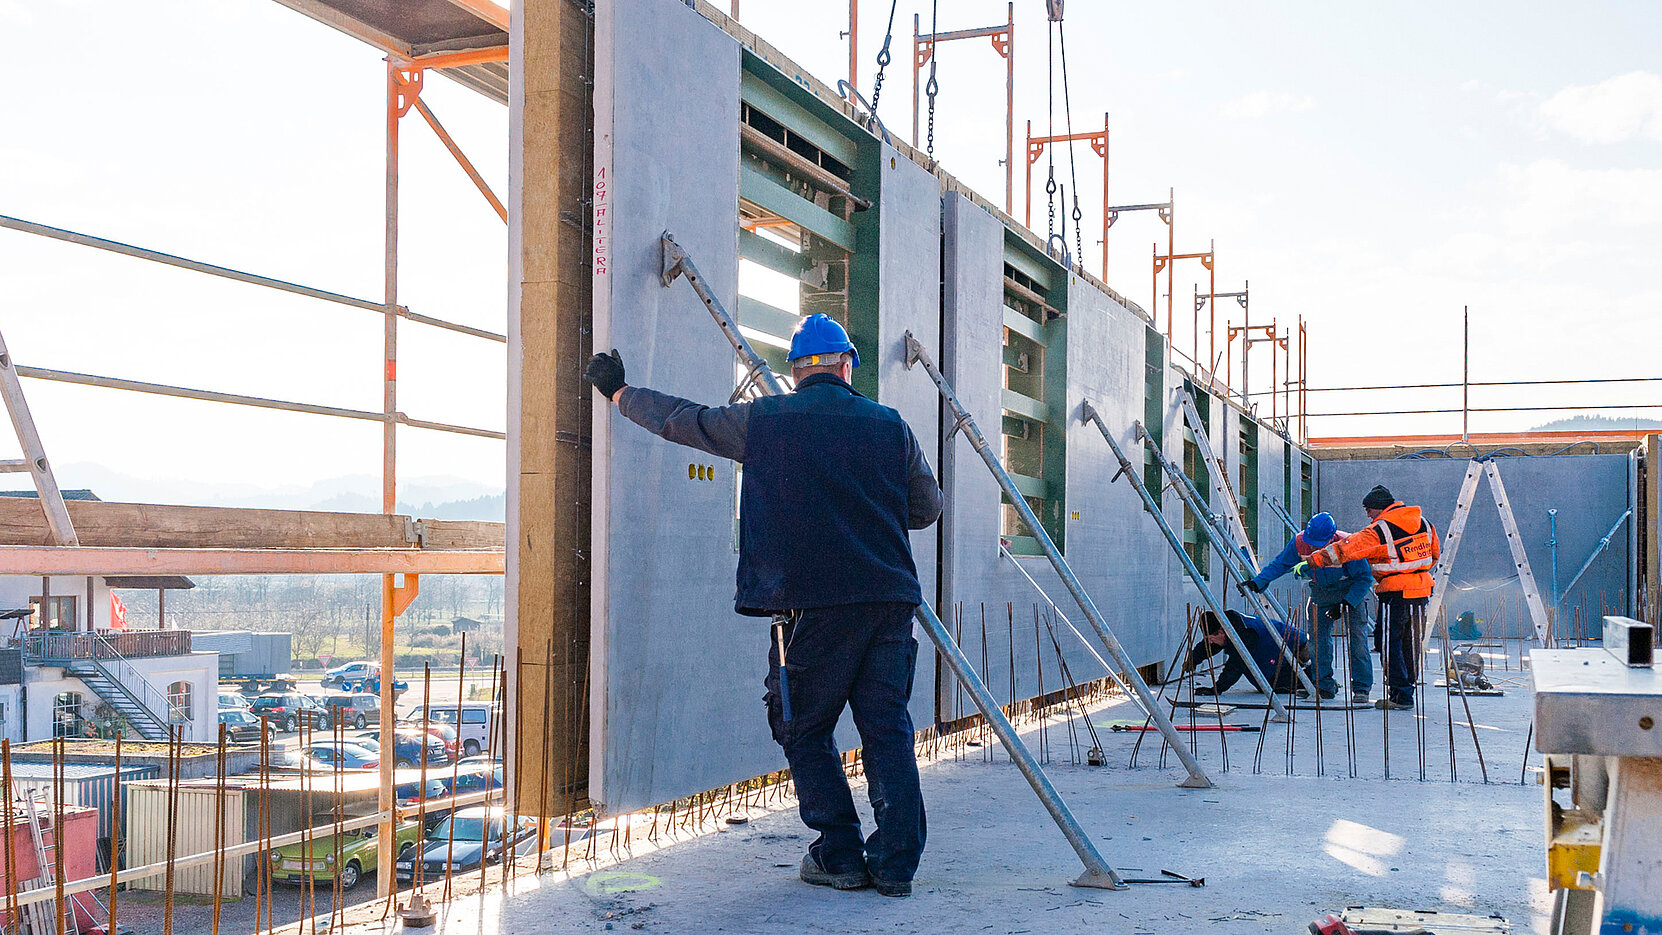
pixel 118 613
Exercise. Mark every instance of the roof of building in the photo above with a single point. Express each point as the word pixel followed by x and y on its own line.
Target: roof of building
pixel 410 29
pixel 151 582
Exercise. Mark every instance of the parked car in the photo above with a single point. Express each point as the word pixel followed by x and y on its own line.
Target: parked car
pixel 240 725
pixel 359 710
pixel 296 862
pixel 288 709
pixel 460 842
pixel 233 700
pixel 364 680
pixel 474 722
pixel 343 755
pixel 406 748
pixel 409 791
pixel 340 675
pixel 470 775
pixel 444 732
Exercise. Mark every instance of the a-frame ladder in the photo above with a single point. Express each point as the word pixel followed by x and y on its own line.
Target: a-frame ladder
pixel 1455 534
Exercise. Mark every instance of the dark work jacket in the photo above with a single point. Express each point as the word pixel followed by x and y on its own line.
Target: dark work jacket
pixel 823 506
pixel 831 483
pixel 1256 635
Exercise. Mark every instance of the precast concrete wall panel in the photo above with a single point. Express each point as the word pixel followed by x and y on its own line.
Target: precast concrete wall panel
pixel 909 299
pixel 1113 545
pixel 677 674
pixel 1590 492
pixel 977 579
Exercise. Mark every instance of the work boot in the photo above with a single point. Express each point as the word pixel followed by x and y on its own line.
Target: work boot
pixel 1391 704
pixel 897 888
pixel 1329 694
pixel 1358 697
pixel 855 879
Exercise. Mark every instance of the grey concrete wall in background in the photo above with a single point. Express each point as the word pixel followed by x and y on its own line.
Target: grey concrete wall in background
pixel 1589 492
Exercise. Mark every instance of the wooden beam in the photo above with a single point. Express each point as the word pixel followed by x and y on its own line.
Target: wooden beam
pixel 168 526
pixel 85 560
pixel 550 409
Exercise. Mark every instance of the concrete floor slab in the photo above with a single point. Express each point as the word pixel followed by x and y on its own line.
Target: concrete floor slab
pixel 1276 850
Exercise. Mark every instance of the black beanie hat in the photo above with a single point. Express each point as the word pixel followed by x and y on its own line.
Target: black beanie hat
pixel 1378 498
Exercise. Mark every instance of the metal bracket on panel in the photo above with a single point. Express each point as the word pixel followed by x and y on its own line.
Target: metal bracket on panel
pixel 673 259
pixel 913 348
pixel 415 532
pixel 852 94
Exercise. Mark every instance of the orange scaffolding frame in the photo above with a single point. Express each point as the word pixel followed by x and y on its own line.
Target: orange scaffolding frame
pixel 1004 43
pixel 1098 140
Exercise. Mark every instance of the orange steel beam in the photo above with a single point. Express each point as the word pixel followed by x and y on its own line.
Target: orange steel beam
pixel 1303 345
pixel 1004 43
pixel 456 59
pixel 462 160
pixel 1098 139
pixel 70 560
pixel 1166 263
pixel 853 34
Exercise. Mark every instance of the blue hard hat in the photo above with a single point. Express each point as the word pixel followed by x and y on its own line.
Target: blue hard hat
pixel 820 334
pixel 1319 531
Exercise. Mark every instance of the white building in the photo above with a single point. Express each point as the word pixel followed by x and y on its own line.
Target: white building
pixel 68 671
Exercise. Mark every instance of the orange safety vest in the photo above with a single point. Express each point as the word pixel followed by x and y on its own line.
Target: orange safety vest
pixel 1409 558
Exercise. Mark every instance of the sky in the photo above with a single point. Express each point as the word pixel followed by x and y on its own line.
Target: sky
pixel 1372 169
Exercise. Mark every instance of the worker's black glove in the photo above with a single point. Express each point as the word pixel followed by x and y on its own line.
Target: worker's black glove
pixel 1251 584
pixel 1336 612
pixel 1206 690
pixel 605 371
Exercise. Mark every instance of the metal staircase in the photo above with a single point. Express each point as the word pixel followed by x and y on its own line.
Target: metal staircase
pixel 121 698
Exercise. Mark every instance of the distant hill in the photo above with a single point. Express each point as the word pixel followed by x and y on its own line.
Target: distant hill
pixel 1596 424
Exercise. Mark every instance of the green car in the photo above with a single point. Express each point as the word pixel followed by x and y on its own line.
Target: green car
pixel 357 856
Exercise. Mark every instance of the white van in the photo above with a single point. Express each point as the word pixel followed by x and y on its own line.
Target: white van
pixel 474 721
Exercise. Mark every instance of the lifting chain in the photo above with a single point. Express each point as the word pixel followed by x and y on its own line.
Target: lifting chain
pixel 934 86
pixel 883 59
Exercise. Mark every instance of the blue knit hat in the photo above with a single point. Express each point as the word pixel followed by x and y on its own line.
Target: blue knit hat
pixel 1319 531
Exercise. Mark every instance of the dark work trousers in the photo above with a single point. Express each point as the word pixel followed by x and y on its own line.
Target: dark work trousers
pixel 862 656
pixel 1400 643
pixel 1355 624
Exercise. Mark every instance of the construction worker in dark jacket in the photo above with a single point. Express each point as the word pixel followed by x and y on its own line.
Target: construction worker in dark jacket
pixel 1338 594
pixel 1401 548
pixel 832 481
pixel 1255 633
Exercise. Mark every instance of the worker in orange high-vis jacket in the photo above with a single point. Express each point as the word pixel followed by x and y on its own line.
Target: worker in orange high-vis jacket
pixel 1401 548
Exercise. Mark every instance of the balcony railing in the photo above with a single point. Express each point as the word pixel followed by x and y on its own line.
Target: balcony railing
pixel 109 644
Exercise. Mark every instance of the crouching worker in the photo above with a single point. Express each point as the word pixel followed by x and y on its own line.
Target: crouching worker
pixel 1255 634
pixel 832 482
pixel 1338 594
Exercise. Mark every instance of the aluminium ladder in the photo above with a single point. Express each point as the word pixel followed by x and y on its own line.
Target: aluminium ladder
pixel 1238 552
pixel 1234 555
pixel 1451 547
pixel 34 454
pixel 37 915
pixel 761 380
pixel 1089 413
